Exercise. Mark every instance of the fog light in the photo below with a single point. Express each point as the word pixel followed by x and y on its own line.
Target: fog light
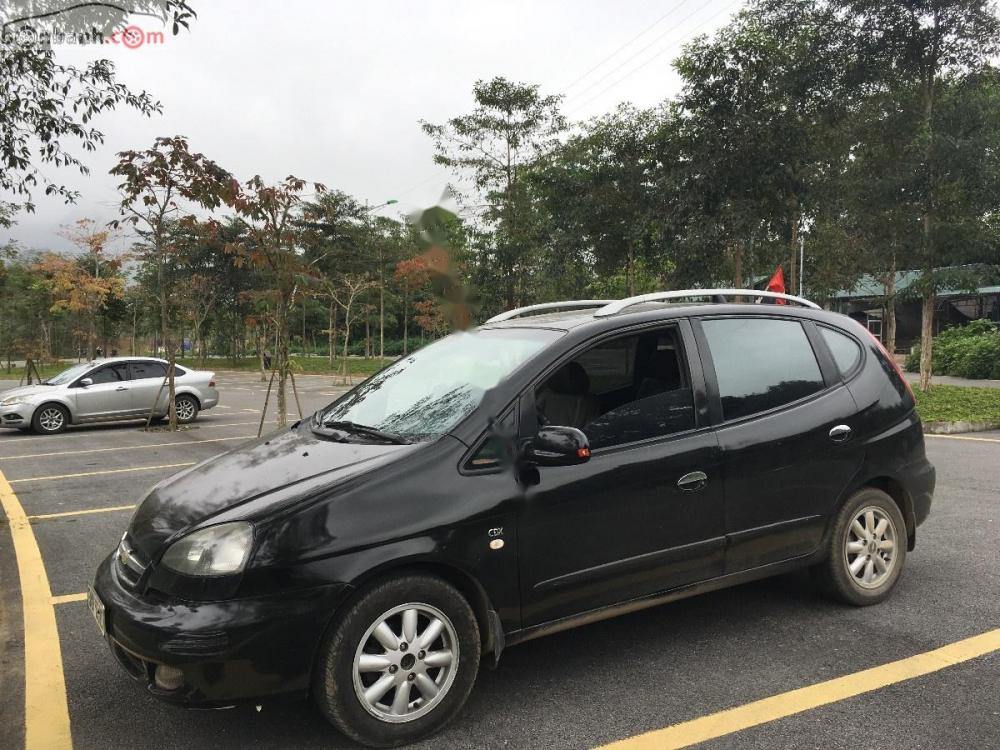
pixel 168 678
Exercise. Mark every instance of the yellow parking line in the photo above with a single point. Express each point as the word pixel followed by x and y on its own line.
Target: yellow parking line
pixel 46 714
pixel 124 448
pixel 964 437
pixel 67 598
pixel 69 513
pixel 804 699
pixel 99 473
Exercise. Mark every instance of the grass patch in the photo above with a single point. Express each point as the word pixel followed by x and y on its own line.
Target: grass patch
pixel 953 403
pixel 48 370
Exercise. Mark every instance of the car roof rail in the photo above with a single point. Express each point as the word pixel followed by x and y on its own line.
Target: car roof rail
pixel 546 306
pixel 718 295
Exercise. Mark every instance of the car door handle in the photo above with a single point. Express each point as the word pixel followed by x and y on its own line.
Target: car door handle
pixel 692 481
pixel 121 388
pixel 840 433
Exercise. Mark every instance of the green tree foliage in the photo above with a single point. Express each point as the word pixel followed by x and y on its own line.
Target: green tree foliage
pixel 496 146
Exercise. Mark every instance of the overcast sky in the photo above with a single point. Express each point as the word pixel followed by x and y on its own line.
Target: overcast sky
pixel 331 91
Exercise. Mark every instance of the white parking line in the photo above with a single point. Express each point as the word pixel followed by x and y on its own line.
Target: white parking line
pixel 123 448
pixel 99 473
pixel 70 513
pixel 110 431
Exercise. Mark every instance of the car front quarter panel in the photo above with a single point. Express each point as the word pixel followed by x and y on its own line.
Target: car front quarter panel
pixel 399 517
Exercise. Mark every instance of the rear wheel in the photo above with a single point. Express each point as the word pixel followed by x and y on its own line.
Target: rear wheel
pixel 187 409
pixel 50 419
pixel 867 549
pixel 399 663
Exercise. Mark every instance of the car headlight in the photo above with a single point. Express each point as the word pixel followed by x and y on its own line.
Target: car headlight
pixel 11 400
pixel 215 551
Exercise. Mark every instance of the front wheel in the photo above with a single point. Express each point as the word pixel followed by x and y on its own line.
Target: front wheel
pixel 400 662
pixel 50 419
pixel 867 549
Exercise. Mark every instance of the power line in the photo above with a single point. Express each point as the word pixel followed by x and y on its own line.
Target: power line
pixel 668 48
pixel 619 49
pixel 631 57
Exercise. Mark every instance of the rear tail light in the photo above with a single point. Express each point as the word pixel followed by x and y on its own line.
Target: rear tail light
pixel 211 384
pixel 895 365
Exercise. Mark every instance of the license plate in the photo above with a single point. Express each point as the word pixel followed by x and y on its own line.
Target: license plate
pixel 97 609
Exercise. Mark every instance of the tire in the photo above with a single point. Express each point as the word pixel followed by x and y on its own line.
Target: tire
pixel 338 687
pixel 187 408
pixel 861 567
pixel 50 419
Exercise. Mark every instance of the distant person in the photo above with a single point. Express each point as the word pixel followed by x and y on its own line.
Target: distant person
pixel 267 360
pixel 99 352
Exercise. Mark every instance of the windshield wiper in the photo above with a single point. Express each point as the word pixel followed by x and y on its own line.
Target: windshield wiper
pixel 362 429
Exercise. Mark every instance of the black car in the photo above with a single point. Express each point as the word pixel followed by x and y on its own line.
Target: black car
pixel 558 465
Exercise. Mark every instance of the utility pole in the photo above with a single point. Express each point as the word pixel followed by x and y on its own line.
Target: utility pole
pixel 802 251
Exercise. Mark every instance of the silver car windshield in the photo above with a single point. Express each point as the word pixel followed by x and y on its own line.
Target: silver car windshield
pixel 426 393
pixel 67 376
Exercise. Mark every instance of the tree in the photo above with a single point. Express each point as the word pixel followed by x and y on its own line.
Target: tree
pixel 46 107
pixel 512 126
pixel 412 275
pixel 158 184
pixel 351 286
pixel 93 241
pixel 597 193
pixel 912 48
pixel 75 289
pixel 269 213
pixel 761 105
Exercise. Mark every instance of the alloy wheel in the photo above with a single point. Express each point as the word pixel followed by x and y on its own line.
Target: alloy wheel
pixel 185 408
pixel 51 419
pixel 870 547
pixel 406 662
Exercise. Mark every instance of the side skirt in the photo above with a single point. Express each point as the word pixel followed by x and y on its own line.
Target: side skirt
pixel 653 600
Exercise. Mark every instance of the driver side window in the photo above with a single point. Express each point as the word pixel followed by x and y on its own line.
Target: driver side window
pixel 109 374
pixel 621 391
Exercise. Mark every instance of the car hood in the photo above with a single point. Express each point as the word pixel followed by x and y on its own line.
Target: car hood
pixel 26 390
pixel 281 468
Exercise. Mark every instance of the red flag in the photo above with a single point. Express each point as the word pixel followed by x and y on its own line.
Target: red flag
pixel 777 284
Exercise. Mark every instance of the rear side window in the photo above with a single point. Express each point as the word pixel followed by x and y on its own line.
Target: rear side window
pixel 142 370
pixel 761 363
pixel 846 352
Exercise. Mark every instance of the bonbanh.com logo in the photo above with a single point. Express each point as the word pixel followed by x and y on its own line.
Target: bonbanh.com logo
pixel 54 22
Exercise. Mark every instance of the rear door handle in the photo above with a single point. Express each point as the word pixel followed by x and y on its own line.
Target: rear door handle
pixel 692 481
pixel 840 433
pixel 121 388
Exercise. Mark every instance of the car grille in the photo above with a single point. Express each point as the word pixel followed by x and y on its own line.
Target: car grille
pixel 131 565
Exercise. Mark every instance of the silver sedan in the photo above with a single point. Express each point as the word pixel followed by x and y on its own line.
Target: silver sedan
pixel 107 390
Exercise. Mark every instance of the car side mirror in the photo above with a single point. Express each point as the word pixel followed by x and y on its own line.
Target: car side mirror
pixel 557 446
pixel 86 381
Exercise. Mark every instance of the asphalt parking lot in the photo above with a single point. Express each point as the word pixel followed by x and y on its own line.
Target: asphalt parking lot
pixel 599 684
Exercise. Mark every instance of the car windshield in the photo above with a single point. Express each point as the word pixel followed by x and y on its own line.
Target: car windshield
pixel 67 375
pixel 426 393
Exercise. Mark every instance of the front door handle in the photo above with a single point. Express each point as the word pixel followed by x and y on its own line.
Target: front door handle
pixel 840 433
pixel 121 388
pixel 692 481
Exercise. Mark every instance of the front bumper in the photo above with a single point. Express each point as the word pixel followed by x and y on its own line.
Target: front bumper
pixel 235 651
pixel 16 415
